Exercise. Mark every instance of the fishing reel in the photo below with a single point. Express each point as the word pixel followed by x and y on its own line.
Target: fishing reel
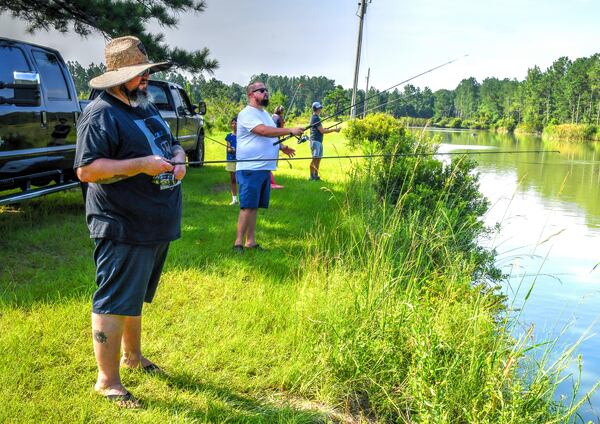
pixel 302 139
pixel 165 180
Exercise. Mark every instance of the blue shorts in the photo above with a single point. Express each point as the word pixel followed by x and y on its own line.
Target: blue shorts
pixel 126 275
pixel 316 147
pixel 254 188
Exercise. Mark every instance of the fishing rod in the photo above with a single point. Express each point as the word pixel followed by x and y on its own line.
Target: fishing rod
pixel 383 155
pixel 304 138
pixel 218 142
pixel 370 97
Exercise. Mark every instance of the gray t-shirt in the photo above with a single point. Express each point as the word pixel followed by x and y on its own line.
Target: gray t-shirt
pixel 315 123
pixel 134 210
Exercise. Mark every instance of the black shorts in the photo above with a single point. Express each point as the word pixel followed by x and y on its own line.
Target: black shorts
pixel 127 276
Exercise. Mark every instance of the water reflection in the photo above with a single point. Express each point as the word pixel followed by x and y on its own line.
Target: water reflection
pixel 549 211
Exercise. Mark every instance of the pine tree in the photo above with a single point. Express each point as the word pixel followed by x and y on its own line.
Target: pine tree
pixel 116 18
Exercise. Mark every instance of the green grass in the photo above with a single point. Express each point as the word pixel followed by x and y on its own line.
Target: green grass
pixel 343 318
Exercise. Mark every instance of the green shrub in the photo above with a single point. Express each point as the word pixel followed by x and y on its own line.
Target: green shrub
pixel 411 178
pixel 443 122
pixel 529 127
pixel 508 123
pixel 455 123
pixel 372 131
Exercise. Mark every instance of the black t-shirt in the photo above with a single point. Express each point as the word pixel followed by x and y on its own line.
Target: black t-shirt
pixel 134 210
pixel 315 134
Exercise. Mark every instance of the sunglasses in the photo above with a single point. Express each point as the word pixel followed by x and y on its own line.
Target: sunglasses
pixel 262 90
pixel 145 73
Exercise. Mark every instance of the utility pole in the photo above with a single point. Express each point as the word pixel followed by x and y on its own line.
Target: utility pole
pixel 367 94
pixel 363 11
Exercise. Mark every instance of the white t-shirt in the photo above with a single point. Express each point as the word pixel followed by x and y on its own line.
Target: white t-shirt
pixel 254 146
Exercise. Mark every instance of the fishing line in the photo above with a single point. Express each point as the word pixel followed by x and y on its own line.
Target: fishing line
pixel 375 108
pixel 291 102
pixel 304 138
pixel 370 156
pixel 374 95
pixel 234 150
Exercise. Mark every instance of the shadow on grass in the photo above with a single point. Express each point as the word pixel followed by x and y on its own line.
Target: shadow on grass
pixel 225 405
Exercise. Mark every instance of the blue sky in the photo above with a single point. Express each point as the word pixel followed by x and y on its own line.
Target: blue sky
pixel 318 37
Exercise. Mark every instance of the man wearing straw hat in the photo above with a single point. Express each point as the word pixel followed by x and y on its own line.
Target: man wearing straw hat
pixel 133 207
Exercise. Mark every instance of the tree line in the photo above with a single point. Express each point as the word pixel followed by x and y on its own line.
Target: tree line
pixel 567 92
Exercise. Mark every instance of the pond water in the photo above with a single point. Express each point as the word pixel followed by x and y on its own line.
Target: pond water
pixel 548 205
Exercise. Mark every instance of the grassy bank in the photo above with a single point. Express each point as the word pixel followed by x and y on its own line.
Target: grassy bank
pixel 572 132
pixel 558 132
pixel 358 311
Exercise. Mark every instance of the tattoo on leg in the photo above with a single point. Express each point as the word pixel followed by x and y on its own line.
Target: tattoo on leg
pixel 99 336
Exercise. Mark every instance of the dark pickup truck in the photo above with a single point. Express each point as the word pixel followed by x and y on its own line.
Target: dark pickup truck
pixel 38 112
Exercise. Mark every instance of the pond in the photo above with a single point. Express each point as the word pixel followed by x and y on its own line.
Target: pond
pixel 548 207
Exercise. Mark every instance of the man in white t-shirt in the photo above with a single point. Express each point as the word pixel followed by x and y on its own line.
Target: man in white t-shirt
pixel 256 133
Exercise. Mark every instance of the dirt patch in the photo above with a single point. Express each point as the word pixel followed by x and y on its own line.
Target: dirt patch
pixel 329 413
pixel 220 188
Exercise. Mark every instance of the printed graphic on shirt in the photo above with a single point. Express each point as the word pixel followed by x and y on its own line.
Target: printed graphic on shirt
pixel 159 139
pixel 157 134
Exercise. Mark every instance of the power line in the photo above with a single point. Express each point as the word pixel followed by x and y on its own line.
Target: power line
pixel 363 11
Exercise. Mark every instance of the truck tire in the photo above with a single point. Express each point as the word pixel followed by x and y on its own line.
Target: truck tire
pixel 197 155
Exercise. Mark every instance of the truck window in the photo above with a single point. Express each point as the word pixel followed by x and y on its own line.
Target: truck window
pixel 158 96
pixel 51 75
pixel 186 101
pixel 13 59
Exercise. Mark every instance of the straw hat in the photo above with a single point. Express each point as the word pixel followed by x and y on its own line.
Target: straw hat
pixel 125 58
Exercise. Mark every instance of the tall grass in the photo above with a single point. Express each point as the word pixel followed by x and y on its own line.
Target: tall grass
pixel 404 340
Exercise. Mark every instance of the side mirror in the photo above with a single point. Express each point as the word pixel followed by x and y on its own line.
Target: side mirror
pixel 26 87
pixel 202 108
pixel 181 111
